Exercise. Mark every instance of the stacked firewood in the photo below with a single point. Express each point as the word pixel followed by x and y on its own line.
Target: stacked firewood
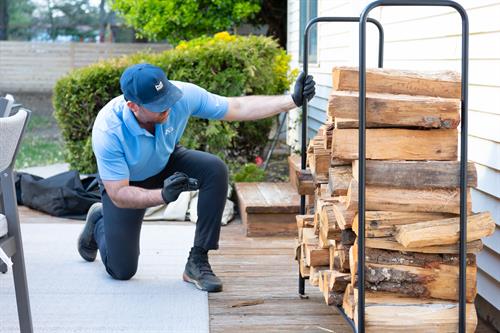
pixel 412 202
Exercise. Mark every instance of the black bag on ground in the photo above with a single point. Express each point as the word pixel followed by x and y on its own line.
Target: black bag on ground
pixel 63 195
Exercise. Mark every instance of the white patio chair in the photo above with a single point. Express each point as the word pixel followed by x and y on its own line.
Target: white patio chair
pixel 11 247
pixel 6 104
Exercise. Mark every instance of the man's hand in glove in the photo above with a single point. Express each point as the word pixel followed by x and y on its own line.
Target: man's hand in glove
pixel 304 88
pixel 177 183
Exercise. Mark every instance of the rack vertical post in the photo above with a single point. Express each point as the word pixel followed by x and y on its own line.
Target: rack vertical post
pixel 380 63
pixel 362 150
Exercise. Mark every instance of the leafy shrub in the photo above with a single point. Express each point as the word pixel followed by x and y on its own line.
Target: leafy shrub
pixel 224 64
pixel 249 172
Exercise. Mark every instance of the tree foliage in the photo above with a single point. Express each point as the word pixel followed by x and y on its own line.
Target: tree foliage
pixel 76 18
pixel 176 20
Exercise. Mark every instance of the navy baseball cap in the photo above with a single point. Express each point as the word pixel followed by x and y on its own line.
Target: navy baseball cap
pixel 148 86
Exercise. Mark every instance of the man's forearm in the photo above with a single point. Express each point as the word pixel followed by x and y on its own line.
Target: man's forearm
pixel 136 197
pixel 258 107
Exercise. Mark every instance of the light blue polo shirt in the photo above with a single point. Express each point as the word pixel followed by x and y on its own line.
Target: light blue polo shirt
pixel 124 150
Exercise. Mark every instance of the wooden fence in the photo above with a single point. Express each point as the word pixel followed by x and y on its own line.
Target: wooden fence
pixel 36 66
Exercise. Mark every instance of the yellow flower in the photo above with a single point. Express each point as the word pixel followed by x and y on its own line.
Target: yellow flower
pixel 225 36
pixel 182 46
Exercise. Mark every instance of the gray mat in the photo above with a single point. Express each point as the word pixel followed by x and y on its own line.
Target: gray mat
pixel 69 294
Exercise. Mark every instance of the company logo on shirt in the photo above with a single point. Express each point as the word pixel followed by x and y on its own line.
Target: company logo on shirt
pixel 169 130
pixel 159 86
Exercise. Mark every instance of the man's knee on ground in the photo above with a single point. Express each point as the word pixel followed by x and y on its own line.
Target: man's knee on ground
pixel 122 274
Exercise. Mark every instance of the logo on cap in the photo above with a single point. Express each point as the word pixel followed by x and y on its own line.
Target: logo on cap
pixel 159 86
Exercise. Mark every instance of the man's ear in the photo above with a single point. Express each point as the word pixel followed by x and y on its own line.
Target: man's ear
pixel 132 106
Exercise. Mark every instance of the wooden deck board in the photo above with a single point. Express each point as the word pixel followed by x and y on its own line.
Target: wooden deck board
pixel 255 269
pixel 262 270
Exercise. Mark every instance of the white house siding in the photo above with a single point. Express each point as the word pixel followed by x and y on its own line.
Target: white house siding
pixel 425 38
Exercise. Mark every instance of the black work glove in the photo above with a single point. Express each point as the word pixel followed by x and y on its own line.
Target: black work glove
pixel 175 184
pixel 304 87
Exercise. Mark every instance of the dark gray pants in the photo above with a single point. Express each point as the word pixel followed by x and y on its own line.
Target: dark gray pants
pixel 117 232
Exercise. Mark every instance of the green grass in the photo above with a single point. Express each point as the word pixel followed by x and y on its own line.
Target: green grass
pixel 41 145
pixel 34 152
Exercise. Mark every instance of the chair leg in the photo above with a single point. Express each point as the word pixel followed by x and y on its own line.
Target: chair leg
pixel 22 295
pixel 18 267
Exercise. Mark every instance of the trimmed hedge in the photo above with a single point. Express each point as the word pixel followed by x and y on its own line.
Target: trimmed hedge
pixel 224 64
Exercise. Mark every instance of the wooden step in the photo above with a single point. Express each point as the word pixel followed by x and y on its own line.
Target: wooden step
pixel 268 209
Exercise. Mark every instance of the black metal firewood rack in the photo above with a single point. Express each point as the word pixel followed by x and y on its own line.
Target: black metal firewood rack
pixel 362 20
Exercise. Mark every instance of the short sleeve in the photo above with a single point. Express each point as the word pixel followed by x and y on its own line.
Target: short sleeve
pixel 110 157
pixel 204 104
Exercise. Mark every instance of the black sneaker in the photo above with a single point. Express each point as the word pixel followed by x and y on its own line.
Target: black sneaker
pixel 87 246
pixel 199 272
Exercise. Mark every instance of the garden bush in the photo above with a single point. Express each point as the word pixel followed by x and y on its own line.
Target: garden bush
pixel 224 64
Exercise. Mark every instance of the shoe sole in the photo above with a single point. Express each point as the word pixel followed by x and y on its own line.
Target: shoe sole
pixel 79 240
pixel 186 278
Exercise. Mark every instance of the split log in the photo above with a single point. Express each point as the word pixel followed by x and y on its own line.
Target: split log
pixel 347 123
pixel 447 231
pixel 314 255
pixel 321 281
pixel 316 221
pixel 328 228
pixel 390 243
pixel 308 237
pixel 333 297
pixel 304 270
pixel 387 312
pixel 294 170
pixel 304 182
pixel 395 110
pixel 385 223
pixel 352 196
pixel 338 281
pixel 333 292
pixel 415 174
pixel 339 179
pixel 343 254
pixel 314 274
pixel 336 162
pixel 439 280
pixel 426 260
pixel 344 217
pixel 304 221
pixel 319 162
pixel 413 200
pixel 332 250
pixel 437 83
pixel 327 128
pixel 348 303
pixel 339 257
pixel 397 144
